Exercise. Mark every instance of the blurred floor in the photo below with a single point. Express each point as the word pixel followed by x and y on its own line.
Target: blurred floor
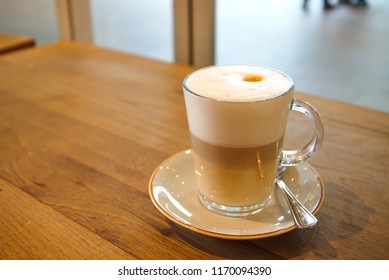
pixel 341 54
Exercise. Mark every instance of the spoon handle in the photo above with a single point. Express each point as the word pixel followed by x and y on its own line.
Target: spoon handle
pixel 301 215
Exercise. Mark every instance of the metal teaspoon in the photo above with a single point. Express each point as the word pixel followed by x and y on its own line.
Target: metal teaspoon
pixel 301 215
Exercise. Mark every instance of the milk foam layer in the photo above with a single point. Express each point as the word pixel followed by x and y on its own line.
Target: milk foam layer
pixel 238 83
pixel 238 121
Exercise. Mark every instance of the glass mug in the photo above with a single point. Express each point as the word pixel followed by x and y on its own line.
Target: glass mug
pixel 237 116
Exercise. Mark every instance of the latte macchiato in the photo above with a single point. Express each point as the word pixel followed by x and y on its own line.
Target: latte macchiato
pixel 237 117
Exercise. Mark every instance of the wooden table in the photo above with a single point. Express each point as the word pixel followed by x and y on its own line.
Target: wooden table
pixel 10 42
pixel 83 128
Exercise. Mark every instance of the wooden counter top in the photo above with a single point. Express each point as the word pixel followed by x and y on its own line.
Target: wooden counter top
pixel 83 128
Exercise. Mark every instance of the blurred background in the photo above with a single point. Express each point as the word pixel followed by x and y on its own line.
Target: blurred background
pixel 340 53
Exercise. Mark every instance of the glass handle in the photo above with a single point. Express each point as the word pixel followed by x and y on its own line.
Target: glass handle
pixel 294 157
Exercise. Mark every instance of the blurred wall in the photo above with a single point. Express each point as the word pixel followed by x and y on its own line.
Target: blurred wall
pixel 34 18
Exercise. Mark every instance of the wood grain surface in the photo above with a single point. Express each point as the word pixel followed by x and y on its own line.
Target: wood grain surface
pixel 83 128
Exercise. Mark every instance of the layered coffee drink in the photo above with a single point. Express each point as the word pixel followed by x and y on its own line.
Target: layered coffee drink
pixel 236 176
pixel 237 117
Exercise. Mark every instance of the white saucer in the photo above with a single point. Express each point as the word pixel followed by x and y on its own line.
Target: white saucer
pixel 173 191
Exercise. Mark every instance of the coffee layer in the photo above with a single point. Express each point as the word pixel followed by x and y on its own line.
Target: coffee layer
pixel 236 176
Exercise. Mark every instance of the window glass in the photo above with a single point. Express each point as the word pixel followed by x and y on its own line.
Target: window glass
pixel 35 19
pixel 141 27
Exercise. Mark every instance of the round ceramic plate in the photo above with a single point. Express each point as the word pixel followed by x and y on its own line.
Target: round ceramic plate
pixel 173 191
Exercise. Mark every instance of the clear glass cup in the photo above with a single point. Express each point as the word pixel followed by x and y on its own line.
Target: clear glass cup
pixel 238 143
